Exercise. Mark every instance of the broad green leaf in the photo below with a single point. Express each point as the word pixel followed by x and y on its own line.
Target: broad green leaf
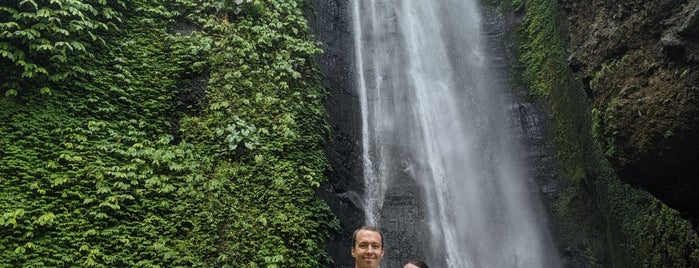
pixel 11 92
pixel 32 2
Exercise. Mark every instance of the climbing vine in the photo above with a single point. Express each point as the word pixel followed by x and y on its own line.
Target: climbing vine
pixel 165 147
pixel 38 38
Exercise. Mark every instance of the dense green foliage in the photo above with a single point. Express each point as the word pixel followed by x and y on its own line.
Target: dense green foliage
pixel 38 38
pixel 618 225
pixel 541 51
pixel 122 165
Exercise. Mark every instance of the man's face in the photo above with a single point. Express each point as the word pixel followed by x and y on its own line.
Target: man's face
pixel 367 250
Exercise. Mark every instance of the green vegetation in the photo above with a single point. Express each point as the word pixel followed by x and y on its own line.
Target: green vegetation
pixel 618 225
pixel 542 53
pixel 603 129
pixel 122 165
pixel 38 38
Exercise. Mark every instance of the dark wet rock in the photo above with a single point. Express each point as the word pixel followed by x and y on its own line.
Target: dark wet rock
pixel 673 45
pixel 640 60
pixel 353 198
pixel 329 21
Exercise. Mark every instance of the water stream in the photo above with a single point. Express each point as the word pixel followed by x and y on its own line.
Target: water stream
pixel 430 110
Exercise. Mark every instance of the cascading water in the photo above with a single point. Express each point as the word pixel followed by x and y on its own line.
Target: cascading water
pixel 430 110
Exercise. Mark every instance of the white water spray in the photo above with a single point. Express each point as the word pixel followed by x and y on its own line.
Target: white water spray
pixel 427 102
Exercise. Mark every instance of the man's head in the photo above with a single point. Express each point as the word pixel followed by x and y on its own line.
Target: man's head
pixel 367 247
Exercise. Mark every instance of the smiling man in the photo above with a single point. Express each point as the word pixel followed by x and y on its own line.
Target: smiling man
pixel 367 247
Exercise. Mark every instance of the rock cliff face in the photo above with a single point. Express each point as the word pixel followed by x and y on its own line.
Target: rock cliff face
pixel 639 61
pixel 330 23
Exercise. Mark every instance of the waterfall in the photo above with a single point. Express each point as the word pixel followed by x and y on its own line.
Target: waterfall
pixel 430 110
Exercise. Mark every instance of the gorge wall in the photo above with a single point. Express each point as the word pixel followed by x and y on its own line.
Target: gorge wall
pixel 330 23
pixel 620 79
pixel 638 61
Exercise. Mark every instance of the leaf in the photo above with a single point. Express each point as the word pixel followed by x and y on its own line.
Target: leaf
pixel 11 93
pixel 43 13
pixel 63 44
pixel 7 54
pixel 12 11
pixel 45 91
pixel 46 219
pixel 47 47
pixel 77 45
pixel 58 181
pixel 89 262
pixel 30 2
pixel 103 190
pixel 61 31
pixel 40 70
pixel 60 58
pixel 8 25
pixel 218 5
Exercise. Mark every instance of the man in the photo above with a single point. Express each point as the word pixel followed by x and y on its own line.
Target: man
pixel 367 247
